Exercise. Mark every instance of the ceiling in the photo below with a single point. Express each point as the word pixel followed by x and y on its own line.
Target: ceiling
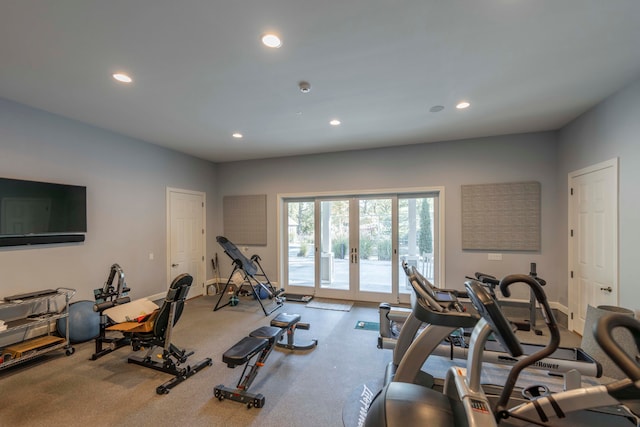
pixel 200 72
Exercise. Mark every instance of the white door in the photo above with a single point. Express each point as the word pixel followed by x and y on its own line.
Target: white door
pixel 186 237
pixel 593 240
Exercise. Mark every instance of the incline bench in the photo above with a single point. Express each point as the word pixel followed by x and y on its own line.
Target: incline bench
pixel 259 343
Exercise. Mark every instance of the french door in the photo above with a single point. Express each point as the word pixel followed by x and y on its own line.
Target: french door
pixel 352 247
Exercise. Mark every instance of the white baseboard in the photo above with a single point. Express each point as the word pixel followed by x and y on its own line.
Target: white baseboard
pixel 561 308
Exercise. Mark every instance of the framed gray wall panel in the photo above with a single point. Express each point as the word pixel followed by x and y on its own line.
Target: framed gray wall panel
pixel 245 219
pixel 503 216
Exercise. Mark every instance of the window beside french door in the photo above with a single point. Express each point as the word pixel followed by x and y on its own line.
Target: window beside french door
pixel 353 246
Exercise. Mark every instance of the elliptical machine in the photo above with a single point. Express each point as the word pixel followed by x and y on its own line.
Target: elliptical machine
pixel 464 403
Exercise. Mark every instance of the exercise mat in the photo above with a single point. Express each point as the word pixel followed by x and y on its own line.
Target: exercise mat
pixel 297 297
pixel 367 326
pixel 328 304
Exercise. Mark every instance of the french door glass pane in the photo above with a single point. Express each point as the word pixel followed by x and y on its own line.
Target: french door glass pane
pixel 334 244
pixel 375 245
pixel 415 238
pixel 301 242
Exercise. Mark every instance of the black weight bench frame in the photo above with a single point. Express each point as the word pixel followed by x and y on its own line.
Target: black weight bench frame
pixel 289 323
pixel 160 337
pixel 259 343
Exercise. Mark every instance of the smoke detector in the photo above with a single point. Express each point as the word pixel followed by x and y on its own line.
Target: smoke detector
pixel 305 87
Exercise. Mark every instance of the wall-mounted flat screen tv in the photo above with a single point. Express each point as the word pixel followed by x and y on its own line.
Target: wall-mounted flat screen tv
pixel 41 208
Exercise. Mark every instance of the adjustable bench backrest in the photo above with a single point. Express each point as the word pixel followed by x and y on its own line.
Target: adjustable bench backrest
pixel 177 294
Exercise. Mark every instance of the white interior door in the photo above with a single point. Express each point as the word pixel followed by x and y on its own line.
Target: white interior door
pixel 593 240
pixel 186 237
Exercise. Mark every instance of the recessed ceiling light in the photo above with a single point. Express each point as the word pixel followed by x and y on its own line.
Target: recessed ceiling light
pixel 121 77
pixel 237 135
pixel 462 105
pixel 335 122
pixel 271 40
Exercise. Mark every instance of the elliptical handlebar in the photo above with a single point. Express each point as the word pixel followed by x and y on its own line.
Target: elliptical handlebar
pixel 554 340
pixel 487 279
pixel 602 331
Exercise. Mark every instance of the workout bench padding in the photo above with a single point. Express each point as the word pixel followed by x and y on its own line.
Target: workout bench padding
pixel 258 343
pixel 290 322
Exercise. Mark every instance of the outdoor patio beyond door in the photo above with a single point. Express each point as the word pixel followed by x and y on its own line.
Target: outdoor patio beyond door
pixel 352 247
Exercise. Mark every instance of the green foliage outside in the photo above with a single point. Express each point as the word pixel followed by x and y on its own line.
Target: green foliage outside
pixel 384 250
pixel 425 235
pixel 303 249
pixel 366 248
pixel 340 247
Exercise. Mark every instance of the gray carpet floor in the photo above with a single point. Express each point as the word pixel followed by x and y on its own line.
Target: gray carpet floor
pixel 303 388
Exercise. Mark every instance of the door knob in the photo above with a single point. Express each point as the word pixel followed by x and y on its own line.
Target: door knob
pixel 607 289
pixel 174 265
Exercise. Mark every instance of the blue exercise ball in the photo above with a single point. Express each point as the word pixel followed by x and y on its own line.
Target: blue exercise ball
pixel 262 293
pixel 84 323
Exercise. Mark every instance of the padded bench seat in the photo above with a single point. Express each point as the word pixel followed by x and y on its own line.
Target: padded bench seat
pixel 284 320
pixel 244 350
pixel 271 333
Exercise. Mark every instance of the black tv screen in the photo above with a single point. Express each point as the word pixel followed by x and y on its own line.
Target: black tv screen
pixel 31 207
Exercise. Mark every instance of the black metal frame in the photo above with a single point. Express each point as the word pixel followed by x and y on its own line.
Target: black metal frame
pixel 107 297
pixel 251 271
pixel 160 337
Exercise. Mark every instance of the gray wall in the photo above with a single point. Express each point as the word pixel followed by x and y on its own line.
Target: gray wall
pixel 610 130
pixel 127 179
pixel 512 158
pixel 126 184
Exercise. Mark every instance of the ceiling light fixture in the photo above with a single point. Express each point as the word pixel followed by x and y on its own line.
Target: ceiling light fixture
pixel 436 108
pixel 121 77
pixel 462 105
pixel 335 122
pixel 271 40
pixel 237 135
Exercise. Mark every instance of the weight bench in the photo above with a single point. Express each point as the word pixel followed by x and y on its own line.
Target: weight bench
pixel 155 333
pixel 291 322
pixel 260 344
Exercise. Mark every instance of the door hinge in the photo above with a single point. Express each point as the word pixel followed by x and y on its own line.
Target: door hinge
pixel 203 231
pixel 572 191
pixel 572 274
pixel 571 233
pixel 203 257
pixel 572 316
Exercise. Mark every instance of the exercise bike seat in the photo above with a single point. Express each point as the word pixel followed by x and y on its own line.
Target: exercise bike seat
pixel 243 351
